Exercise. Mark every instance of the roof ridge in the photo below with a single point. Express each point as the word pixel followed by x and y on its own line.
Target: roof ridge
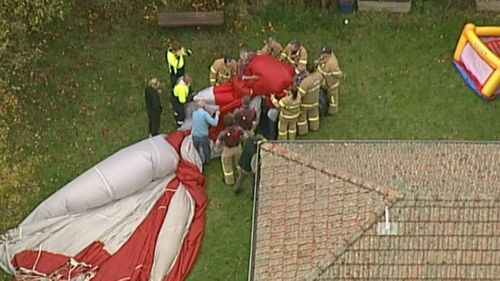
pixel 339 251
pixel 391 194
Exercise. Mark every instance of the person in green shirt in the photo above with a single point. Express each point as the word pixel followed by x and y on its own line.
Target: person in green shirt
pixel 248 162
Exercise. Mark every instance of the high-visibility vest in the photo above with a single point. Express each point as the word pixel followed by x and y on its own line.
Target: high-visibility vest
pixel 181 91
pixel 176 62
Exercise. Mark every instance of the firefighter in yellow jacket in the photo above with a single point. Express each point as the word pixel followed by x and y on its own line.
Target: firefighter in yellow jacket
pixel 329 67
pixel 289 113
pixel 231 138
pixel 222 71
pixel 271 48
pixel 295 54
pixel 309 89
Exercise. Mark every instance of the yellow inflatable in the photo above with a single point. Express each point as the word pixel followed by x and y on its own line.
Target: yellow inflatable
pixel 477 58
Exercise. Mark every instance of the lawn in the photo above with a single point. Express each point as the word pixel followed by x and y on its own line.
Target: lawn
pixel 400 85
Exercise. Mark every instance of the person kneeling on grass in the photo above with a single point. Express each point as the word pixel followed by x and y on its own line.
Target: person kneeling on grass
pixel 231 138
pixel 248 162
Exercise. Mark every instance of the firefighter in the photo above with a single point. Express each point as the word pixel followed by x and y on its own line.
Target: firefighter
pixel 329 67
pixel 179 98
pixel 246 116
pixel 289 113
pixel 153 106
pixel 231 139
pixel 174 57
pixel 309 89
pixel 222 71
pixel 295 54
pixel 272 48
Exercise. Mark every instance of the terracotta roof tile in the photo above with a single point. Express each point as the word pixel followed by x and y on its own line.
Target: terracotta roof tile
pixel 439 240
pixel 320 203
pixel 309 214
pixel 444 169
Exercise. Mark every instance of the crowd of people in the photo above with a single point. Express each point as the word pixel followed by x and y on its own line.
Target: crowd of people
pixel 297 112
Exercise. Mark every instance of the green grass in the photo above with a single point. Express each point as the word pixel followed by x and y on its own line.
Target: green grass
pixel 400 85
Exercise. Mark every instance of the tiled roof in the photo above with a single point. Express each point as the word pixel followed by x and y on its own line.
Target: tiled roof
pixel 309 214
pixel 319 205
pixel 449 169
pixel 436 240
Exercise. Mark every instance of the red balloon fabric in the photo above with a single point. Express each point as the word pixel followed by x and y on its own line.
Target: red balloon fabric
pixel 274 75
pixel 134 260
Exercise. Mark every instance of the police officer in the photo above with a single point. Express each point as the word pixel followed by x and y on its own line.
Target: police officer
pixel 329 67
pixel 246 116
pixel 222 71
pixel 309 90
pixel 231 139
pixel 272 48
pixel 179 98
pixel 174 57
pixel 289 113
pixel 153 106
pixel 295 54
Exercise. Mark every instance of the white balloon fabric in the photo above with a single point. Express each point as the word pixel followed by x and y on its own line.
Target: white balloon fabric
pixel 124 173
pixel 107 205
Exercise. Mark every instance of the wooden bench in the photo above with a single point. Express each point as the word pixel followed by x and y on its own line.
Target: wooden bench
pixel 190 19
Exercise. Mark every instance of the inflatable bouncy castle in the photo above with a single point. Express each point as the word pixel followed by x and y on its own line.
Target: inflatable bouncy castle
pixel 477 58
pixel 137 215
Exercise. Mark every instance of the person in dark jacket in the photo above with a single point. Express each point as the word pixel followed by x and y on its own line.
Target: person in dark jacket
pixel 248 162
pixel 153 106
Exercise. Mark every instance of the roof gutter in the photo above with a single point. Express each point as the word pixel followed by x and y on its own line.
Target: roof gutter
pixel 251 268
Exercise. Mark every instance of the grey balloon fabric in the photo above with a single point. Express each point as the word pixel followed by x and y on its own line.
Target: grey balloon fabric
pixel 125 172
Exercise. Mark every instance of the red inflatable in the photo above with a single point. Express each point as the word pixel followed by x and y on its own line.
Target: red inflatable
pixel 274 76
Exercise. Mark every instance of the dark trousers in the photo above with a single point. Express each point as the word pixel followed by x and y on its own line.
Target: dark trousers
pixel 175 76
pixel 202 145
pixel 241 178
pixel 179 110
pixel 273 130
pixel 154 123
pixel 267 127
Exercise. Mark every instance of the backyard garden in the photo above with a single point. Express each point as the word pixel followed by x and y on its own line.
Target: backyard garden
pixel 78 94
